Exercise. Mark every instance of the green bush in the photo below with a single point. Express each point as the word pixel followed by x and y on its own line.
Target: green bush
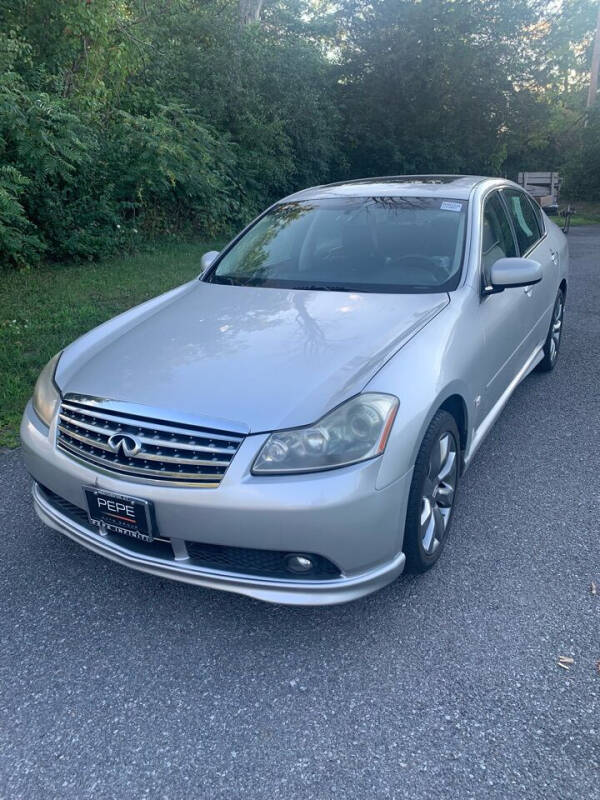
pixel 18 241
pixel 172 162
pixel 50 201
pixel 102 145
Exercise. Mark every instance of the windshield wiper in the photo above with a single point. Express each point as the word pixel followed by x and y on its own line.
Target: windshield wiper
pixel 232 280
pixel 274 283
pixel 323 287
pixel 373 288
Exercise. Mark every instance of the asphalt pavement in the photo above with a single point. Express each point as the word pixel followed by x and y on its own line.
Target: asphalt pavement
pixel 115 684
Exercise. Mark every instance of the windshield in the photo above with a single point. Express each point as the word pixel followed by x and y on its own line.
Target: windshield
pixel 370 244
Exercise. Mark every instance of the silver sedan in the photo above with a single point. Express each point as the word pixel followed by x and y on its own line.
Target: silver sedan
pixel 293 424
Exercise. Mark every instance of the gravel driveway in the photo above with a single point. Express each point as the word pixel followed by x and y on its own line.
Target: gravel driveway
pixel 120 685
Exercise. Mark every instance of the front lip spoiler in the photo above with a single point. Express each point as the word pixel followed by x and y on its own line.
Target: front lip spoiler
pixel 301 593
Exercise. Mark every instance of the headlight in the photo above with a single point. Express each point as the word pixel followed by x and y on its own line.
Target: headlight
pixel 355 431
pixel 46 396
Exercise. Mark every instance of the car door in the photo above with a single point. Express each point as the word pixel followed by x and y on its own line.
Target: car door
pixel 532 242
pixel 505 317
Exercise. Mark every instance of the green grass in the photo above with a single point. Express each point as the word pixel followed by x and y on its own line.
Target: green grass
pixel 585 213
pixel 44 309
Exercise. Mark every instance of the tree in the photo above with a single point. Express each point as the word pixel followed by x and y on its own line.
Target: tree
pixel 249 11
pixel 593 91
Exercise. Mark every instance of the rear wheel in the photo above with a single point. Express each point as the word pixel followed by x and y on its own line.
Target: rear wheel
pixel 552 343
pixel 432 493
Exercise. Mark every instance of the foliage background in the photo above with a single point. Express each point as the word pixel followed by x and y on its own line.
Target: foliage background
pixel 121 119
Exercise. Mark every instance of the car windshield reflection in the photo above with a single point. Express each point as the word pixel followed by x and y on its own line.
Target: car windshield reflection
pixel 368 244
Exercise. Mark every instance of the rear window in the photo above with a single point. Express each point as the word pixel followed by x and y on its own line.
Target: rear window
pixel 524 219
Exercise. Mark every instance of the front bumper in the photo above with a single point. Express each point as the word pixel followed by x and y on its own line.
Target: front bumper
pixel 339 515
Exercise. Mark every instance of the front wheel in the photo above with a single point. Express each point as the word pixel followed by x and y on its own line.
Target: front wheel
pixel 432 493
pixel 552 343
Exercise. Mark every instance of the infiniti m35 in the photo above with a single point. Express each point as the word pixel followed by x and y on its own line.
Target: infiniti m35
pixel 293 424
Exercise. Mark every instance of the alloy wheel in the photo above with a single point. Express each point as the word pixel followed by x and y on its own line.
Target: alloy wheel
pixel 438 492
pixel 556 329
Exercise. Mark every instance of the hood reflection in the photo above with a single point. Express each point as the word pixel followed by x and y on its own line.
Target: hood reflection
pixel 267 358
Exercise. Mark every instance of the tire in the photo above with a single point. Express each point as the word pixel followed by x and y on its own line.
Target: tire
pixel 554 337
pixel 432 493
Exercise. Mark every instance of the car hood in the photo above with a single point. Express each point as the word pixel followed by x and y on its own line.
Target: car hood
pixel 254 359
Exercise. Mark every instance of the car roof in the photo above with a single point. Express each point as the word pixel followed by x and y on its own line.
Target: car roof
pixel 453 186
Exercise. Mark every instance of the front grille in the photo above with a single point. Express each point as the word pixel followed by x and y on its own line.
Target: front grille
pixel 168 452
pixel 67 508
pixel 250 561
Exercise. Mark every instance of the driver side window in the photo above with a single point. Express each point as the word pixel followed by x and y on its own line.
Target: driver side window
pixel 497 240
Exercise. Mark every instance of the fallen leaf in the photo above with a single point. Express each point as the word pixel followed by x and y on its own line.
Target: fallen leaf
pixel 565 662
pixel 598 667
pixel 593 588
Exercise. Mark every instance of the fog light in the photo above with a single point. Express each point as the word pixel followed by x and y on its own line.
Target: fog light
pixel 298 563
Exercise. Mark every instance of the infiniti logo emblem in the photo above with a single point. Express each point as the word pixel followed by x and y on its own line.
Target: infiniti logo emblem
pixel 128 444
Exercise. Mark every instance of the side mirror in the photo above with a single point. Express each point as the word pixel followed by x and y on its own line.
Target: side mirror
pixel 507 273
pixel 207 260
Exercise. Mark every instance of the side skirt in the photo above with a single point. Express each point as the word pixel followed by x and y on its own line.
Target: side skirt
pixel 484 428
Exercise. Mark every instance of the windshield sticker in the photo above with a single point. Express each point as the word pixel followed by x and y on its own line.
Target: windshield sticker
pixel 448 206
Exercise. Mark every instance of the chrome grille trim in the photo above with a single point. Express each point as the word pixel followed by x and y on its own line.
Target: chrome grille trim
pixel 154 441
pixel 140 422
pixel 147 455
pixel 169 452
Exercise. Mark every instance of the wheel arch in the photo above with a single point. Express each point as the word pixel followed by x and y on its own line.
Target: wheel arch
pixel 407 437
pixel 563 287
pixel 456 406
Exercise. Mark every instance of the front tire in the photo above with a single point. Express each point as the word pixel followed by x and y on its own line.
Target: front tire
pixel 552 343
pixel 432 493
